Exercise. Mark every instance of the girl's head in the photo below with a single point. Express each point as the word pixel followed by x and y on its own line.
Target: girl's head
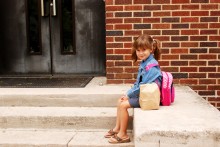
pixel 143 46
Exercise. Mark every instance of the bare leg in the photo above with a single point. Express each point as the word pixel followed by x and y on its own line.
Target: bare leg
pixel 117 126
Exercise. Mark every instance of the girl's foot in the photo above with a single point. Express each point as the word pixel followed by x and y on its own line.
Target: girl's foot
pixel 110 134
pixel 115 139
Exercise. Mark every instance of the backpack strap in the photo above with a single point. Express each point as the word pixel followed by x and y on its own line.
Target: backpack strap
pixel 150 66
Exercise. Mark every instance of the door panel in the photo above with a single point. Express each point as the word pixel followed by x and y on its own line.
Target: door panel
pixel 72 41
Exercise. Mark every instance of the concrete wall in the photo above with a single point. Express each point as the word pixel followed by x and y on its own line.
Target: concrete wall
pixel 189 34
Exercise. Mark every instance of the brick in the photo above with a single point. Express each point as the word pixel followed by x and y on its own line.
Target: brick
pixel 214 1
pixel 179 63
pixel 109 27
pixel 113 8
pixel 189 44
pixel 142 1
pixel 123 2
pixel 162 38
pixel 108 2
pixel 123 14
pixel 207 81
pixel 211 92
pixel 181 13
pixel 142 26
pixel 197 75
pixel 208 56
pixel 180 26
pixel 188 69
pixel 109 39
pixel 151 20
pixel 152 7
pixel 198 87
pixel 108 15
pixel 190 7
pixel 179 38
pixel 164 13
pixel 209 19
pixel 127 57
pixel 189 19
pixel 208 32
pixel 208 44
pixel 188 57
pixel 123 26
pixel 170 69
pixel 198 38
pixel 199 13
pixel 213 63
pixel 170 57
pixel 214 50
pixel 170 32
pixel 110 63
pixel 198 50
pixel 110 75
pixel 123 76
pixel 215 25
pixel 123 39
pixel 179 51
pixel 109 51
pixel 133 8
pixel 170 7
pixel 114 70
pixel 131 70
pixel 152 32
pixel 179 1
pixel 180 75
pixel 114 33
pixel 160 26
pixel 199 25
pixel 123 63
pixel 170 44
pixel 128 45
pixel 209 7
pixel 189 81
pixel 123 51
pixel 215 13
pixel 214 38
pixel 171 20
pixel 132 33
pixel 189 32
pixel 161 1
pixel 213 75
pixel 129 81
pixel 132 20
pixel 199 1
pixel 142 14
pixel 164 63
pixel 207 69
pixel 114 45
pixel 165 51
pixel 197 63
pixel 113 20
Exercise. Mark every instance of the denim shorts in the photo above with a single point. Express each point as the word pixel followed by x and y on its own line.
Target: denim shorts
pixel 134 102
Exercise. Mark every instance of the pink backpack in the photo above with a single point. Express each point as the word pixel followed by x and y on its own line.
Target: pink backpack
pixel 167 89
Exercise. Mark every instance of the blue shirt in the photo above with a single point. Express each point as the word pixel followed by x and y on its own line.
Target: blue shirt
pixel 143 77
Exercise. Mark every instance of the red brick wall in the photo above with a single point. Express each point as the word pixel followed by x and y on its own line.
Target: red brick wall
pixel 189 34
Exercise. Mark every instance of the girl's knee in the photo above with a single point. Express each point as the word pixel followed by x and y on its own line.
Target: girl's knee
pixel 124 105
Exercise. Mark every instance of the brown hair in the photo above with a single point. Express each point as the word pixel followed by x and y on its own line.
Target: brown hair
pixel 146 41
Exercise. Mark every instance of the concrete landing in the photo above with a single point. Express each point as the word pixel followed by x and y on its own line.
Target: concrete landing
pixel 190 122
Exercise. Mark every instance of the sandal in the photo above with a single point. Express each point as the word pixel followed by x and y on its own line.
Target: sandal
pixel 110 134
pixel 116 139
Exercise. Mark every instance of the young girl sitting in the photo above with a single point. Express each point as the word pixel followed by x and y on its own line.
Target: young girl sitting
pixel 146 49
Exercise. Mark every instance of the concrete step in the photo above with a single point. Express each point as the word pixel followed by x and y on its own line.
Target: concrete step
pixel 57 138
pixel 60 117
pixel 91 96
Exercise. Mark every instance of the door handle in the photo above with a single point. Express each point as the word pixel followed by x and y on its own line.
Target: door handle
pixel 53 5
pixel 42 8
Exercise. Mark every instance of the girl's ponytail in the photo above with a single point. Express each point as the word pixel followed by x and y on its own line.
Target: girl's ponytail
pixel 156 49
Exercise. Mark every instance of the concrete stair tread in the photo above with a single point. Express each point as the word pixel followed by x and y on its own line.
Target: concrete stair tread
pixel 56 138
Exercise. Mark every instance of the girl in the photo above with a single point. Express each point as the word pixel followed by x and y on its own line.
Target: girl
pixel 147 50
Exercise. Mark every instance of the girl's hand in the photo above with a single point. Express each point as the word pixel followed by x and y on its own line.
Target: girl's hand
pixel 124 98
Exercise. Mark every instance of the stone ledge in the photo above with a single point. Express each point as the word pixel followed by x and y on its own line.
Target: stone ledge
pixel 191 121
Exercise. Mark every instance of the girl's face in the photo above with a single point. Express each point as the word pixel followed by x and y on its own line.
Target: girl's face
pixel 143 53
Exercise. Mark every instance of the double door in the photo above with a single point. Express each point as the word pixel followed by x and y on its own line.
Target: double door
pixel 52 37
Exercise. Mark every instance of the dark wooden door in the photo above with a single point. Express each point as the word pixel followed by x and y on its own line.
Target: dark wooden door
pixel 52 37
